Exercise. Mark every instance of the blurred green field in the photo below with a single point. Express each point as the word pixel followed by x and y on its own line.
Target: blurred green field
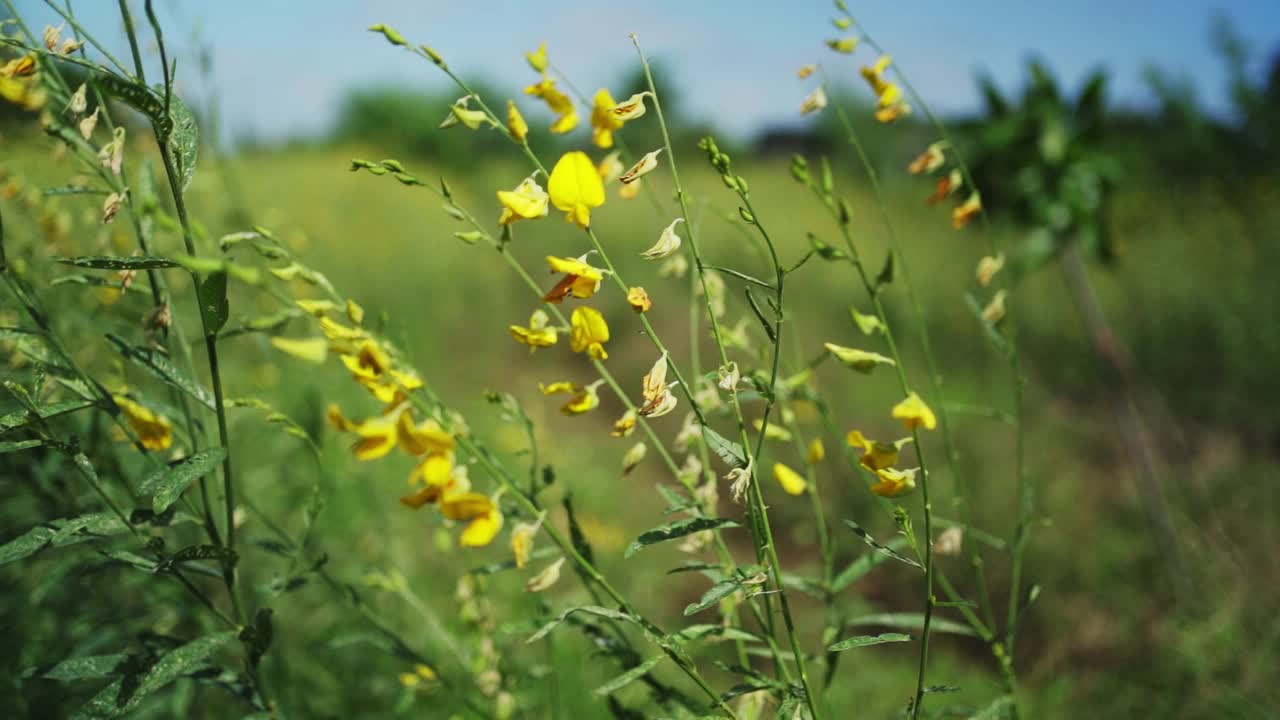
pixel 1105 637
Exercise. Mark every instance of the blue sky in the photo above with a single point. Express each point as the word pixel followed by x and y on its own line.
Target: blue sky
pixel 283 65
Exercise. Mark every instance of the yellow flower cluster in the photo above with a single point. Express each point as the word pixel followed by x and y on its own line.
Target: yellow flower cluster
pixel 545 89
pixel 890 104
pixel 930 161
pixel 436 479
pixel 880 457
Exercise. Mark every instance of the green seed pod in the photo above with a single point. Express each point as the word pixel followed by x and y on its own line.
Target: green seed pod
pixel 390 34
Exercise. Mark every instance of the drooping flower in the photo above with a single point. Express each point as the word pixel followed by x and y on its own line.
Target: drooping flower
pixel 538 58
pixel 625 425
pixel 580 279
pixel 890 105
pixel 633 457
pixel 946 187
pixel 154 431
pixel 575 187
pixel 517 128
pixel 610 167
pixel 585 398
pixel 559 103
pixel 537 334
pixel 546 578
pixel 876 455
pixel 914 413
pixel 658 398
pixel 588 332
pixel 792 482
pixel 961 216
pixel 995 310
pixel 931 159
pixel 814 101
pixel 522 537
pixel 646 165
pixel 480 512
pixel 728 376
pixel 603 121
pixel 894 482
pixel 631 108
pixel 861 360
pixel 668 242
pixel 815 452
pixel 987 268
pixel 639 300
pixel 740 480
pixel 461 112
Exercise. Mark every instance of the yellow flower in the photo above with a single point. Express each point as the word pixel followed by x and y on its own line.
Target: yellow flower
pixel 527 202
pixel 312 350
pixel 668 242
pixel 585 399
pixel 378 435
pixel 929 160
pixel 961 216
pixel 537 334
pixel 461 112
pixel 860 360
pixel 580 279
pixel 914 413
pixel 557 102
pixel 890 104
pixel 806 70
pixel 894 482
pixel 154 432
pixel 773 431
pixel 484 518
pixel 639 300
pixel 814 102
pixel 791 481
pixel 815 452
pixel 424 437
pixel 538 58
pixel 610 167
pixel 516 125
pixel 642 168
pixel 588 332
pixel 19 67
pixel 844 45
pixel 625 425
pixel 603 122
pixel 438 477
pixel 633 457
pixel 995 310
pixel 421 673
pixel 988 267
pixel 945 187
pixel 369 361
pixel 876 455
pixel 522 537
pixel 575 187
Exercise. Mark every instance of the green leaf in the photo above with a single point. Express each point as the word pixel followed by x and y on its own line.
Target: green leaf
pixel 159 365
pixel 26 544
pixel 22 418
pixel 910 621
pixel 88 667
pixel 677 529
pixel 15 446
pixel 629 676
pixel 697 632
pixel 576 536
pixel 885 276
pixel 166 485
pixel 589 609
pixel 865 640
pixel 866 537
pixel 184 140
pixel 730 452
pixel 865 564
pixel 124 695
pixel 112 262
pixel 715 594
pixel 224 555
pixel 214 308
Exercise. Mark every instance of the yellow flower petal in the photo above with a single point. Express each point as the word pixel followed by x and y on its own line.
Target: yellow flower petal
pixel 806 70
pixel 610 167
pixel 527 202
pixel 312 350
pixel 575 187
pixel 546 578
pixel 639 300
pixel 914 413
pixel 537 334
pixel 538 58
pixel 844 45
pixel 894 482
pixel 154 432
pixel 988 267
pixel 516 125
pixel 424 437
pixel 588 332
pixel 792 482
pixel 631 108
pixel 815 452
pixel 961 216
pixel 377 437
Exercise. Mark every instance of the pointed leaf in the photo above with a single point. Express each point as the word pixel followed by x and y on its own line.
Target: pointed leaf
pixel 677 529
pixel 589 609
pixel 88 667
pixel 167 484
pixel 119 698
pixel 911 621
pixel 214 308
pixel 113 262
pixel 730 452
pixel 630 676
pixel 863 565
pixel 159 365
pixel 866 537
pixel 714 595
pixel 865 640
